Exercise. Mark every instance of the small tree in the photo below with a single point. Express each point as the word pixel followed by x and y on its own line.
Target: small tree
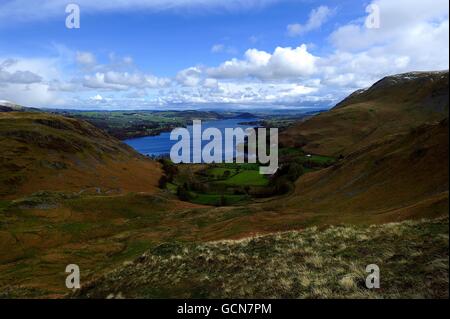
pixel 223 201
pixel 183 193
pixel 163 182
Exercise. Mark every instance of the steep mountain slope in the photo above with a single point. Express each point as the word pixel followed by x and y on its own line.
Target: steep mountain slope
pixel 393 105
pixel 41 151
pixel 394 139
pixel 402 176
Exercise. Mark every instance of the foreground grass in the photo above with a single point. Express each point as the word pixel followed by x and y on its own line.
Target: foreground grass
pixel 330 263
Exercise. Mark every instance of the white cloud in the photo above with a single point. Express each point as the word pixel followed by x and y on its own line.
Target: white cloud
pixel 24 80
pixel 136 80
pixel 36 94
pixel 242 93
pixel 282 63
pixel 317 18
pixel 85 58
pixel 122 81
pixel 9 73
pixel 218 48
pixel 211 83
pixel 413 36
pixel 189 77
pixel 98 97
pixel 222 48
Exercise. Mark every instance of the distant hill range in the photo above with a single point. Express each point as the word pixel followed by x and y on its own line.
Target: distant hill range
pixel 131 124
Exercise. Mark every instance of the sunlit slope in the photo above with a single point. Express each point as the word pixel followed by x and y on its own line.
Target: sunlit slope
pixel 393 105
pixel 41 151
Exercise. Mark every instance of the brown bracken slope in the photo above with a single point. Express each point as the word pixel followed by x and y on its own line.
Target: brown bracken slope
pixel 393 105
pixel 41 151
pixel 394 142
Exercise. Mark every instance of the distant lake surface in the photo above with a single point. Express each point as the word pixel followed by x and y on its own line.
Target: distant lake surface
pixel 161 144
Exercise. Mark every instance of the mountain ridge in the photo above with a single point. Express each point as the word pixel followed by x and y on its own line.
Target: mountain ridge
pixel 392 105
pixel 42 151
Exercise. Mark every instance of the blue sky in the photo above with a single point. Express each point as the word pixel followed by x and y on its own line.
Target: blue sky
pixel 159 54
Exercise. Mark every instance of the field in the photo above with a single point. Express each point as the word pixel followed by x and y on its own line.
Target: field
pixel 412 257
pixel 217 184
pixel 231 183
pixel 247 178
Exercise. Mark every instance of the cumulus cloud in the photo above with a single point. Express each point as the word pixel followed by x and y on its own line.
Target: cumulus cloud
pixel 189 77
pixel 282 63
pixel 16 77
pixel 413 36
pixel 240 93
pixel 316 19
pixel 210 83
pixel 22 80
pixel 121 81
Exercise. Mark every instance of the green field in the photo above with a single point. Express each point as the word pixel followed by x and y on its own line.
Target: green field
pixel 247 178
pixel 231 183
pixel 217 184
pixel 218 172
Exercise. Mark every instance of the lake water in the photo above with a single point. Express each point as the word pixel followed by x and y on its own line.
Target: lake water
pixel 161 144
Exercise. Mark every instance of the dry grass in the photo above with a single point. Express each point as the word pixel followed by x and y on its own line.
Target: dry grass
pixel 412 256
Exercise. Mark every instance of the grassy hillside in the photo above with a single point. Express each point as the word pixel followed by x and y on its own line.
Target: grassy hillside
pixel 393 105
pixel 412 257
pixel 43 233
pixel 394 138
pixel 40 151
pixel 403 176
